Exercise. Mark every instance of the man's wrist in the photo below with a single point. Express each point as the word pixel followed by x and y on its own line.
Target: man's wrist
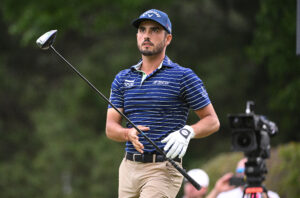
pixel 126 137
pixel 191 130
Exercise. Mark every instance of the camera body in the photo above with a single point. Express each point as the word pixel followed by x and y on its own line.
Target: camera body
pixel 251 134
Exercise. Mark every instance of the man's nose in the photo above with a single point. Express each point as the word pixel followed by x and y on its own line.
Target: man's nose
pixel 147 33
pixel 146 39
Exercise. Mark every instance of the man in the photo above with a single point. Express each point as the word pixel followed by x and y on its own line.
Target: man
pixel 223 189
pixel 156 94
pixel 201 178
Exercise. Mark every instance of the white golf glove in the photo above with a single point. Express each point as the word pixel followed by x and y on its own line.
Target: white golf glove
pixel 178 141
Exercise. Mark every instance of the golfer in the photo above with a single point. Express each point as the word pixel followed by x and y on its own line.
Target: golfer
pixel 156 95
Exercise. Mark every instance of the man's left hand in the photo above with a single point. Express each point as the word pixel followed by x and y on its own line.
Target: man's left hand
pixel 178 141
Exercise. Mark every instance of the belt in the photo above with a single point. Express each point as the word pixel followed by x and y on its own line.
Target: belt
pixel 148 158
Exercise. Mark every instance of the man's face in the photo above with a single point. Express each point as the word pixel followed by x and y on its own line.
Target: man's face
pixel 152 39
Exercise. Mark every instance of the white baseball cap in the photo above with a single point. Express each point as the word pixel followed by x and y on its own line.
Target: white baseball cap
pixel 199 176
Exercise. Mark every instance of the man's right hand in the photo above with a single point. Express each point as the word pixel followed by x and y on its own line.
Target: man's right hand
pixel 134 138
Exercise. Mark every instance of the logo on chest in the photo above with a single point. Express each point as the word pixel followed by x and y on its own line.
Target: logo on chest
pixel 160 82
pixel 129 83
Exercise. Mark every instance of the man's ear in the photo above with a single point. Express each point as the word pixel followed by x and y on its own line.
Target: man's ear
pixel 168 39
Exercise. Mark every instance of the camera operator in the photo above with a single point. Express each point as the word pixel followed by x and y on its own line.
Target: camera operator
pixel 223 188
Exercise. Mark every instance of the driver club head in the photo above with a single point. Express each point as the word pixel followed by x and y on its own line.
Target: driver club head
pixel 46 40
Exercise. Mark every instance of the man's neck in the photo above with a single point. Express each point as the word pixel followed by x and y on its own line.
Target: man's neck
pixel 151 63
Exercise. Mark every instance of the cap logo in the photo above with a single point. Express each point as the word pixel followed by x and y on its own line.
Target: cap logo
pixel 150 13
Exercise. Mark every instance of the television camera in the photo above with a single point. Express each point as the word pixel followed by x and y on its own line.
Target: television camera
pixel 251 134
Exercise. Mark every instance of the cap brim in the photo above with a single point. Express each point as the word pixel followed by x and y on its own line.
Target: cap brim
pixel 136 22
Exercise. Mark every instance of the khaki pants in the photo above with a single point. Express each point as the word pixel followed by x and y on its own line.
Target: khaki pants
pixel 148 180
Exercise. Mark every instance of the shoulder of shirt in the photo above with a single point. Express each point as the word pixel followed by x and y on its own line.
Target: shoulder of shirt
pixel 123 72
pixel 184 71
pixel 179 68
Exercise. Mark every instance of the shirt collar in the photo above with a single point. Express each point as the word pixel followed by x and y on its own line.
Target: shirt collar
pixel 166 62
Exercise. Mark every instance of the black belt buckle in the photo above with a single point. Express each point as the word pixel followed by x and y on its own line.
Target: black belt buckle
pixel 135 157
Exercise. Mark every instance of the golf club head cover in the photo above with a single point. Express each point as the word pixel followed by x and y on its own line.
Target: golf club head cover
pixel 177 141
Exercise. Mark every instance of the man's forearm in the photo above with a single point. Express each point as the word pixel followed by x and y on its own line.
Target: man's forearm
pixel 116 132
pixel 206 126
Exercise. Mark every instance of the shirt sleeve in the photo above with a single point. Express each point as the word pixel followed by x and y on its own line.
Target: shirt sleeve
pixel 116 93
pixel 193 91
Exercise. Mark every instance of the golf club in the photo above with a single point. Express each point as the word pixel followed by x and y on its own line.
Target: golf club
pixel 45 42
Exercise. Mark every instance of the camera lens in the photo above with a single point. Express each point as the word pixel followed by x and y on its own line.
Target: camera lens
pixel 244 140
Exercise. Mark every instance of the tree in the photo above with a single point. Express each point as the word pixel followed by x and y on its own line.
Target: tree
pixel 273 48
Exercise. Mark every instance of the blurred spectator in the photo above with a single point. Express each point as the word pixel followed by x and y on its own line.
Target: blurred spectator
pixel 201 178
pixel 223 189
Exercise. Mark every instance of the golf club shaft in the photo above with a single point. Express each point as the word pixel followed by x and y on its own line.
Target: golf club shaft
pixel 182 171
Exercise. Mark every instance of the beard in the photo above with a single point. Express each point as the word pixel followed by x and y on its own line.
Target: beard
pixel 156 50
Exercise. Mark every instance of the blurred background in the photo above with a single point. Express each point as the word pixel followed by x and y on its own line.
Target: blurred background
pixel 52 137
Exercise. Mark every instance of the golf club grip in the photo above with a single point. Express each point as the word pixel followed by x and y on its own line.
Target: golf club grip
pixel 189 178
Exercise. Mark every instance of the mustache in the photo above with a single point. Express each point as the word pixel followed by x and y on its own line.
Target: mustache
pixel 147 41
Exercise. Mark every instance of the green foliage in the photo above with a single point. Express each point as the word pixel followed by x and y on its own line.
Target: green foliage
pixel 289 170
pixel 274 49
pixel 31 18
pixel 17 178
pixel 76 160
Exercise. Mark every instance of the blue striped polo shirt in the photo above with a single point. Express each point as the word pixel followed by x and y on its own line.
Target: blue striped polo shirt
pixel 160 100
